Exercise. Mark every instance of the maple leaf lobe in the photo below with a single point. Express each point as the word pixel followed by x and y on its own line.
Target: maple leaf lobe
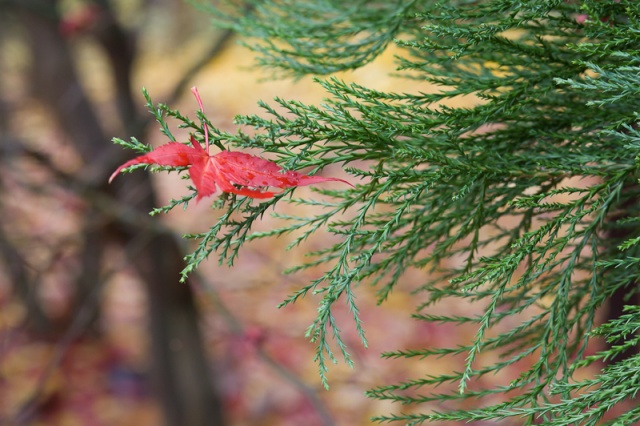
pixel 170 154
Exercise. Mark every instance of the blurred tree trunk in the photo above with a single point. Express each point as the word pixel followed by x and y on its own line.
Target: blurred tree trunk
pixel 181 372
pixel 23 285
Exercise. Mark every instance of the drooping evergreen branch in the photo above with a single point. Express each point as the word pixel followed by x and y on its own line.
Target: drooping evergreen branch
pixel 297 38
pixel 522 188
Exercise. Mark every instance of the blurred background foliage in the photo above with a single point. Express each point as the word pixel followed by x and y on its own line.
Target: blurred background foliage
pixel 94 327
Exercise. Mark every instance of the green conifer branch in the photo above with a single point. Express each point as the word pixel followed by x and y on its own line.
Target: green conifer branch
pixel 298 38
pixel 533 190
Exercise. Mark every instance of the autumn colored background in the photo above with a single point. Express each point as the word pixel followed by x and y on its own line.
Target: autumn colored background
pixel 94 327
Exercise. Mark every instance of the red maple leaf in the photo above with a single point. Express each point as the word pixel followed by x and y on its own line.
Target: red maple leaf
pixel 231 171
